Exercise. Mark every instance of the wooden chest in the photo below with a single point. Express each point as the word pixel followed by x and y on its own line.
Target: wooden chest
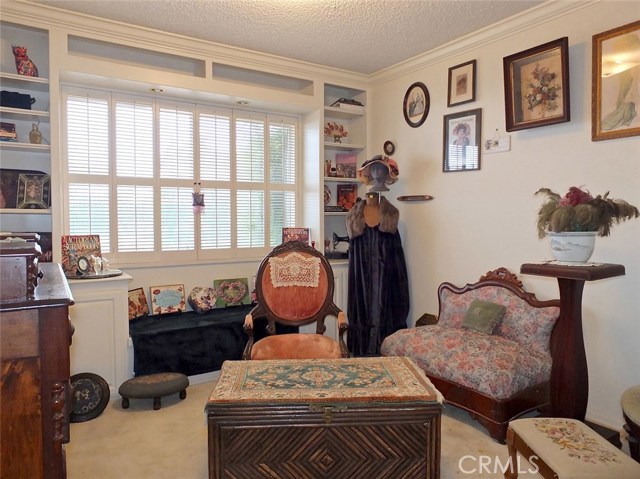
pixel 345 418
pixel 19 270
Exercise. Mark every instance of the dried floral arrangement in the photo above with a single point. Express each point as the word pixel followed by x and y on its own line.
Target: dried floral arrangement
pixel 578 210
pixel 335 130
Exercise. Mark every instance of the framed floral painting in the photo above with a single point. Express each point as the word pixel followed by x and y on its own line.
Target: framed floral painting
pixel 615 83
pixel 536 86
pixel 232 292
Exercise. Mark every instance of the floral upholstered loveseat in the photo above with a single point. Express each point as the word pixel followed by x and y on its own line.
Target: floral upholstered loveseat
pixel 499 373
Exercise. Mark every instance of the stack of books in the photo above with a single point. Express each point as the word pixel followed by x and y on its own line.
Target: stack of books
pixel 8 132
pixel 347 104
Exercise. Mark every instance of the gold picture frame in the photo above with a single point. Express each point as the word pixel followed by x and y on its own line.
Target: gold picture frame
pixel 536 86
pixel 615 82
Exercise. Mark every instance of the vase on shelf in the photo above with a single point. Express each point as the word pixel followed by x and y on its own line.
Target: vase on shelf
pixel 35 136
pixel 573 246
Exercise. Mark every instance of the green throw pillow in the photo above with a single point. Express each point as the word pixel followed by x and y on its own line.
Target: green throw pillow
pixel 483 316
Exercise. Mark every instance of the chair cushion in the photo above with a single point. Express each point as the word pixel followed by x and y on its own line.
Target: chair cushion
pixel 296 346
pixel 523 323
pixel 493 365
pixel 483 316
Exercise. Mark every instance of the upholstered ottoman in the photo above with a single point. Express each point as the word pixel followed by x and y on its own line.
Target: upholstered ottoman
pixel 630 402
pixel 565 449
pixel 153 386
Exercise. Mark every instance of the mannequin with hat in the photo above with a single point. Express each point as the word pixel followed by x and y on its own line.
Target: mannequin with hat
pixel 378 301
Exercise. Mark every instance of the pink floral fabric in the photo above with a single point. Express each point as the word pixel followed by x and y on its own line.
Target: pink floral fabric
pixel 516 356
pixel 491 364
pixel 529 326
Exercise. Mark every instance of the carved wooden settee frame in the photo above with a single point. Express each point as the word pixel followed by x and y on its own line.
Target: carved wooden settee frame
pixel 493 413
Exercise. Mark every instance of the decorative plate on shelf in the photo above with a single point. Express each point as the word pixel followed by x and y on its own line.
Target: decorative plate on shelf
pixel 327 195
pixel 90 396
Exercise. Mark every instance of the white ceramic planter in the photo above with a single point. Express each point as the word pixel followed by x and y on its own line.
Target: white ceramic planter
pixel 572 247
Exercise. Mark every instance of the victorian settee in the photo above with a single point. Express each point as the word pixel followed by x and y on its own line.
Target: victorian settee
pixel 489 351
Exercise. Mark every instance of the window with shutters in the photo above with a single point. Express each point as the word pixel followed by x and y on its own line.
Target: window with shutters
pixel 133 162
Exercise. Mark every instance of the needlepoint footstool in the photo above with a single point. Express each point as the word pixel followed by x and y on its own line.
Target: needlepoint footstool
pixel 566 449
pixel 153 386
pixel 377 418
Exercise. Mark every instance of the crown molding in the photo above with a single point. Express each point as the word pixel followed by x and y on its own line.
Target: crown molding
pixel 527 20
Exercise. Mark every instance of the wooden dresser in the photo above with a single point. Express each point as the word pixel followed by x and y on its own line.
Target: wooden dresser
pixel 35 392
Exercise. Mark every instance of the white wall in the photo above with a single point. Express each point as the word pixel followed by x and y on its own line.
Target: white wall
pixel 485 219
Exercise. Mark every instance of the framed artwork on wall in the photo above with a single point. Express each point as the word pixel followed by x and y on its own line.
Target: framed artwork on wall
pixel 462 141
pixel 615 83
pixel 536 86
pixel 415 106
pixel 462 84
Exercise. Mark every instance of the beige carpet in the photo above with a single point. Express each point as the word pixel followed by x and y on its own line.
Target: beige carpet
pixel 139 443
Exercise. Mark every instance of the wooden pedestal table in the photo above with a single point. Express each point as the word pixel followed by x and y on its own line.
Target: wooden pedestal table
pixel 569 375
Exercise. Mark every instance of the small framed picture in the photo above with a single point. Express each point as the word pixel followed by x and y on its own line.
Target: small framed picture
pixel 347 195
pixel 168 299
pixel 536 86
pixel 34 191
pixel 232 292
pixel 138 306
pixel 415 106
pixel 462 84
pixel 462 141
pixel 295 234
pixel 615 83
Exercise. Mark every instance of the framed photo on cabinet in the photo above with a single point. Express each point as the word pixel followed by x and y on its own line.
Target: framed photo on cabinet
pixel 536 86
pixel 615 83
pixel 462 84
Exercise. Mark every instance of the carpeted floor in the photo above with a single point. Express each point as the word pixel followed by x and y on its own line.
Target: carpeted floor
pixel 140 443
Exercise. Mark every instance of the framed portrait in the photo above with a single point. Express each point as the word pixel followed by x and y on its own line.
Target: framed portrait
pixel 615 85
pixel 462 84
pixel 167 299
pixel 536 86
pixel 415 106
pixel 462 141
pixel 137 304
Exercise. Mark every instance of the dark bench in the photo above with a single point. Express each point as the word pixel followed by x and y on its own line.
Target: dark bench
pixel 191 343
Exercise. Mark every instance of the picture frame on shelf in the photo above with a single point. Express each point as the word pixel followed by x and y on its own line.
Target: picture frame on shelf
pixel 167 299
pixel 347 194
pixel 232 292
pixel 295 234
pixel 462 140
pixel 346 164
pixel 34 191
pixel 462 84
pixel 615 82
pixel 536 86
pixel 138 306
pixel 416 104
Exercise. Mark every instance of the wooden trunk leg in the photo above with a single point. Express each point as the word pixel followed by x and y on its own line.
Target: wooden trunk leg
pixel 157 403
pixel 183 394
pixel 125 403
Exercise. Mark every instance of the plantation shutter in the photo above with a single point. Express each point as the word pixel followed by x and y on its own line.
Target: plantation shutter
pixel 87 148
pixel 282 176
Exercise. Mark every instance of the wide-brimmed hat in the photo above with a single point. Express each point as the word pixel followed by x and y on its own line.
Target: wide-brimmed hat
pixel 364 173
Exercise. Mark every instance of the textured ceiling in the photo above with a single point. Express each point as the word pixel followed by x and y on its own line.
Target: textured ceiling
pixel 362 36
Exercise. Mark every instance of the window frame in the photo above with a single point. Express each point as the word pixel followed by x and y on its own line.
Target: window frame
pixel 158 256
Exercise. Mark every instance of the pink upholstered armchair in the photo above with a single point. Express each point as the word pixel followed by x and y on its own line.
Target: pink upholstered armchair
pixel 294 286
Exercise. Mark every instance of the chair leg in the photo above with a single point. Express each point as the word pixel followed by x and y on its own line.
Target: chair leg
pixel 512 470
pixel 634 444
pixel 157 403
